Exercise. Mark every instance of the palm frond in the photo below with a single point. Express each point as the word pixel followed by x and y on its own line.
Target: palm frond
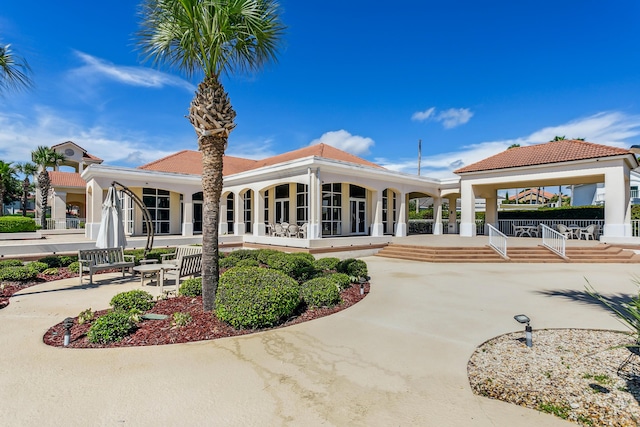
pixel 14 71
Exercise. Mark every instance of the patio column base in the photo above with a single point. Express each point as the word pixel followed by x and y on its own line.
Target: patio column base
pixel 437 228
pixel 377 230
pixel 401 229
pixel 617 230
pixel 187 229
pixel 91 230
pixel 467 229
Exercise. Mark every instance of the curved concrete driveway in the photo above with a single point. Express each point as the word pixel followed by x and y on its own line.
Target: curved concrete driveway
pixel 397 358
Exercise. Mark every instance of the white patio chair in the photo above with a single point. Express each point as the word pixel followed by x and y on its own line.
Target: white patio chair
pixel 293 230
pixel 589 232
pixel 302 232
pixel 279 231
pixel 562 229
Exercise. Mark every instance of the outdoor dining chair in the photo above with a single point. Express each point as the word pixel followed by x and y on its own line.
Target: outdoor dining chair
pixel 588 233
pixel 279 231
pixel 302 232
pixel 562 229
pixel 293 230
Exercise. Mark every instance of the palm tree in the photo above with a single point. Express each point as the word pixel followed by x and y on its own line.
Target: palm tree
pixel 27 169
pixel 44 157
pixel 7 172
pixel 210 37
pixel 14 71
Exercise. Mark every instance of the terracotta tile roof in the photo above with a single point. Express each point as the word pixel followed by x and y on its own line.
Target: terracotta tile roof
pixel 190 162
pixel 66 179
pixel 550 152
pixel 533 191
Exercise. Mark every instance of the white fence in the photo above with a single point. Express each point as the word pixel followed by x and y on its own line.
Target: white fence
pixel 553 240
pixel 63 224
pixel 497 240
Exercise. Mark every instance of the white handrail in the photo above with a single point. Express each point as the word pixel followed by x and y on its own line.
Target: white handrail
pixel 553 240
pixel 497 240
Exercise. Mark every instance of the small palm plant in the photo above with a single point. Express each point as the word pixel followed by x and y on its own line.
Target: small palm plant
pixel 627 312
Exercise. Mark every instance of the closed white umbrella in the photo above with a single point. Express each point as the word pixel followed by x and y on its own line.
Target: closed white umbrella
pixel 111 233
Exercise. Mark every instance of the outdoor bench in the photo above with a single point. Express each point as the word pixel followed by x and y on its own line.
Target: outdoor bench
pixel 181 250
pixel 92 260
pixel 188 265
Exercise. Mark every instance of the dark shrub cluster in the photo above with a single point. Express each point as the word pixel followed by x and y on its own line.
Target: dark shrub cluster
pixel 320 292
pixel 38 266
pixel 300 266
pixel 132 300
pixel 111 327
pixel 11 263
pixel 326 264
pixel 191 287
pixel 153 254
pixel 341 280
pixel 352 267
pixel 18 274
pixel 252 297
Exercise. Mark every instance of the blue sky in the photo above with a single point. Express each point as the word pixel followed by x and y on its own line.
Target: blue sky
pixel 469 78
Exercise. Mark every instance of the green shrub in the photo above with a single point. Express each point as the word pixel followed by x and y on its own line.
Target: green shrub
pixel 65 260
pixel 262 255
pixel 352 267
pixel 320 292
pixel 17 274
pixel 191 287
pixel 228 262
pixel 253 297
pixel 294 265
pixel 111 327
pixel 16 224
pixel 136 299
pixel 153 253
pixel 74 267
pixel 244 254
pixel 248 263
pixel 85 316
pixel 50 271
pixel 11 263
pixel 341 280
pixel 38 266
pixel 51 261
pixel 326 264
pixel 181 319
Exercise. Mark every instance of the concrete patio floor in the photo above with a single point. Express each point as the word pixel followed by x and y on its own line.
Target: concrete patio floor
pixel 399 357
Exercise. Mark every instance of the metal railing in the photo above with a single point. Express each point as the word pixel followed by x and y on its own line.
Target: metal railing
pixel 507 225
pixel 497 240
pixel 425 226
pixel 63 224
pixel 553 240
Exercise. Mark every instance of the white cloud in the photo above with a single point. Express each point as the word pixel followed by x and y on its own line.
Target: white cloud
pixel 21 135
pixel 608 128
pixel 354 144
pixel 132 76
pixel 449 118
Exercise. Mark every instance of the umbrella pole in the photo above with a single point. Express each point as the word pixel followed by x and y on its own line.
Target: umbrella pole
pixel 145 215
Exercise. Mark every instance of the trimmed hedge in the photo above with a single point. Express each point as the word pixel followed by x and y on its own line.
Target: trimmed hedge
pixel 296 265
pixel 18 274
pixel 38 266
pixel 565 213
pixel 136 299
pixel 253 297
pixel 326 264
pixel 17 224
pixel 111 327
pixel 11 263
pixel 74 267
pixel 153 253
pixel 248 263
pixel 191 287
pixel 341 280
pixel 320 292
pixel 352 267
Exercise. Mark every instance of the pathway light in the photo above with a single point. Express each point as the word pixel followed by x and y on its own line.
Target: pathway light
pixel 67 323
pixel 521 318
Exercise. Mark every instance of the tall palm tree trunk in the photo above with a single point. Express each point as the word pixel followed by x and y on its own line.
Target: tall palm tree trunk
pixel 212 148
pixel 25 195
pixel 44 182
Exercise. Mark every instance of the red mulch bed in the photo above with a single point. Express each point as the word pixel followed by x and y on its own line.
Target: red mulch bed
pixel 204 326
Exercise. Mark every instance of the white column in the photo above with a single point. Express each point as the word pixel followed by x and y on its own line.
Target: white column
pixel 401 227
pixel 59 209
pixel 491 209
pixel 259 228
pixel 94 210
pixel 314 229
pixel 468 210
pixel 437 215
pixel 377 227
pixel 187 217
pixel 453 215
pixel 223 227
pixel 238 215
pixel 617 211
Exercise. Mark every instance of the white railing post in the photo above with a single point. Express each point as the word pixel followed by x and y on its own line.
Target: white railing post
pixel 553 240
pixel 497 240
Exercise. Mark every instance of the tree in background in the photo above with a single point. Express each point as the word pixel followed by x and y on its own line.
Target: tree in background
pixel 45 157
pixel 7 173
pixel 210 37
pixel 14 71
pixel 27 169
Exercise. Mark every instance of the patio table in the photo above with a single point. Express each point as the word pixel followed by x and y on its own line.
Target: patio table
pixel 154 270
pixel 525 230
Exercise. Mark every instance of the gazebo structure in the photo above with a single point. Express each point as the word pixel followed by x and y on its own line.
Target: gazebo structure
pixel 564 162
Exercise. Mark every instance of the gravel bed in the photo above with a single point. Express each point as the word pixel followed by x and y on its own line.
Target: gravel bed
pixel 572 373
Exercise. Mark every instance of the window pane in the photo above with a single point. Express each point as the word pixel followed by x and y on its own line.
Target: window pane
pixel 163 215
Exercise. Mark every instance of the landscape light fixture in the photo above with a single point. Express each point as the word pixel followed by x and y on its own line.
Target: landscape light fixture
pixel 363 280
pixel 68 323
pixel 521 318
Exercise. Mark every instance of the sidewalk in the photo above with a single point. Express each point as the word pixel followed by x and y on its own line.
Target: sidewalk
pixel 397 358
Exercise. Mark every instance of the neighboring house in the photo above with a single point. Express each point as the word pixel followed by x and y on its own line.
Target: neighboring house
pixel 594 194
pixel 532 196
pixel 68 189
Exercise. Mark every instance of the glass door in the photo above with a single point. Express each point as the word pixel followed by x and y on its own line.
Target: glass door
pixel 358 215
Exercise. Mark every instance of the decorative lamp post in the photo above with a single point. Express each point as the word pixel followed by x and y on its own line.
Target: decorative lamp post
pixel 521 318
pixel 68 323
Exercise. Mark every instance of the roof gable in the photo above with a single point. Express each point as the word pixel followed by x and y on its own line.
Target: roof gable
pixel 66 179
pixel 70 144
pixel 551 152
